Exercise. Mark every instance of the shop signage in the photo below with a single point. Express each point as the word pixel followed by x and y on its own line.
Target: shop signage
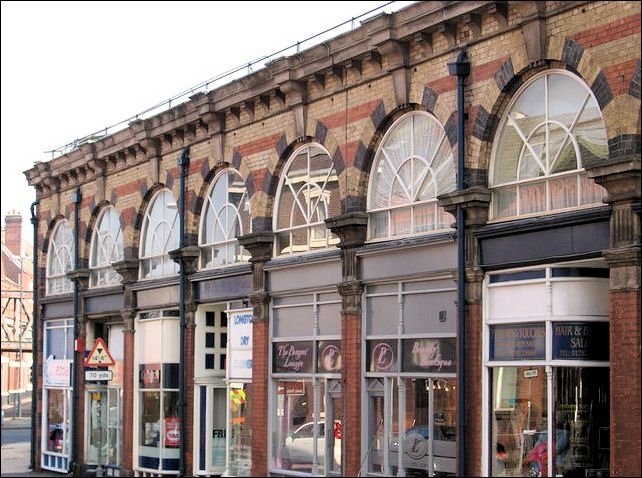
pixel 240 344
pixel 292 357
pixel 98 375
pixel 518 342
pixel 150 376
pixel 57 373
pixel 329 356
pixel 172 432
pixel 429 355
pixel 581 341
pixel 382 355
pixel 290 388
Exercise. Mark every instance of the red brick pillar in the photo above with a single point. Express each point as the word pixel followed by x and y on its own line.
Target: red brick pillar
pixel 128 270
pixel 621 178
pixel 475 201
pixel 129 377
pixel 351 230
pixel 259 245
pixel 190 329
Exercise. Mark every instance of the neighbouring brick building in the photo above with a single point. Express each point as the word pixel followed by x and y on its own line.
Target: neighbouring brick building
pixel 306 321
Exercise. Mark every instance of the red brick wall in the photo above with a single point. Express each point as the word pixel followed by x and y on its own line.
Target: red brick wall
pixel 625 382
pixel 128 403
pixel 260 411
pixel 189 399
pixel 473 390
pixel 79 409
pixel 351 389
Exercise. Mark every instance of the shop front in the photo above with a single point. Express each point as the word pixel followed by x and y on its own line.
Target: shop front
pixel 547 371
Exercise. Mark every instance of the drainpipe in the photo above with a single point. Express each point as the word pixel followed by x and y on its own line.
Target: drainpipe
pixel 183 163
pixel 75 198
pixel 461 69
pixel 34 334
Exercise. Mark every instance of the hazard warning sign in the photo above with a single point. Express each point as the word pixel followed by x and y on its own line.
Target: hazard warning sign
pixel 99 355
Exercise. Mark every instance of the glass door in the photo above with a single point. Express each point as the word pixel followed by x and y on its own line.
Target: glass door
pixel 412 426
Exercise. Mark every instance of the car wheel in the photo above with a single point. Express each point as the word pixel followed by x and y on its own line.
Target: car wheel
pixel 533 470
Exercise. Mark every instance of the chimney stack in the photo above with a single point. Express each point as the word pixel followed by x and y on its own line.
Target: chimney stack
pixel 13 232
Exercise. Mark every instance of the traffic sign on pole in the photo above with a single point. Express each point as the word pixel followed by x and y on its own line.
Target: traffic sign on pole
pixel 99 355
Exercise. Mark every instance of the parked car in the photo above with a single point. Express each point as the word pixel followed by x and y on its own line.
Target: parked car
pixel 536 460
pixel 297 450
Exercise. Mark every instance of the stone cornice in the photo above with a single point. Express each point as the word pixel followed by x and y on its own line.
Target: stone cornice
pixel 383 40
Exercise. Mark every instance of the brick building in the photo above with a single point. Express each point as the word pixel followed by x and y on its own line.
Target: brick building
pixel 17 307
pixel 275 268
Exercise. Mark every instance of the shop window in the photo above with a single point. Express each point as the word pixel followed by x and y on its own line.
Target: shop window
pixel 308 193
pixel 213 339
pixel 414 164
pixel 306 369
pixel 551 131
pixel 159 235
pixel 548 376
pixel 60 259
pixel 226 215
pixel 106 248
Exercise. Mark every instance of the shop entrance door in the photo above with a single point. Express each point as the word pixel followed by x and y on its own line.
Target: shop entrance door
pixel 104 428
pixel 412 426
pixel 212 429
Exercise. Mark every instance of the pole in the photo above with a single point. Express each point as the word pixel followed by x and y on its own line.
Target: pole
pixel 461 69
pixel 34 335
pixel 183 162
pixel 76 198
pixel 20 339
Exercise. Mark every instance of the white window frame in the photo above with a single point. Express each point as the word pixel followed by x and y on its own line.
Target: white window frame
pixel 61 246
pixel 578 173
pixel 110 242
pixel 412 190
pixel 166 243
pixel 220 213
pixel 310 189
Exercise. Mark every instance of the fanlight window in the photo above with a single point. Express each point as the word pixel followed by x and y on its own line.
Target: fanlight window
pixel 308 193
pixel 106 247
pixel 414 165
pixel 226 216
pixel 60 259
pixel 160 234
pixel 552 130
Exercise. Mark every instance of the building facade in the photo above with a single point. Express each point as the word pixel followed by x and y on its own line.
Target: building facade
pixel 17 308
pixel 275 266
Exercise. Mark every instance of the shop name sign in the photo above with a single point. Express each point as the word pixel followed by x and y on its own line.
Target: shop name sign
pixel 240 329
pixel 429 355
pixel 57 373
pixel 581 341
pixel 288 357
pixel 518 342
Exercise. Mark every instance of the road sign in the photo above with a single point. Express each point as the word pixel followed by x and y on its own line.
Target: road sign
pixel 98 375
pixel 99 355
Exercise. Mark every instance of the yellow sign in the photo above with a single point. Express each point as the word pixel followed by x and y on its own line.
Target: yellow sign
pixel 99 355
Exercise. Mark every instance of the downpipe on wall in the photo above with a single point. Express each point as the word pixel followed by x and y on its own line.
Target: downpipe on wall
pixel 461 69
pixel 34 335
pixel 76 198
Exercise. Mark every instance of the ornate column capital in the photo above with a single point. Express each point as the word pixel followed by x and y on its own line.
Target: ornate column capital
pixel 81 277
pixel 620 177
pixel 260 301
pixel 128 316
pixel 350 228
pixel 475 201
pixel 127 269
pixel 188 256
pixel 350 292
pixel 259 245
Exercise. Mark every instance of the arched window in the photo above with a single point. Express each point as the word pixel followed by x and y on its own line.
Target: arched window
pixel 308 193
pixel 226 216
pixel 60 259
pixel 551 131
pixel 414 164
pixel 106 247
pixel 159 235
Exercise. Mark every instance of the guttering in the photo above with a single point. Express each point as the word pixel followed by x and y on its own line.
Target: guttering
pixel 76 198
pixel 34 335
pixel 183 163
pixel 461 69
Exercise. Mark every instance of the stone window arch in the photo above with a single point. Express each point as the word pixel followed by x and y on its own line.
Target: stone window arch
pixel 160 234
pixel 106 247
pixel 60 259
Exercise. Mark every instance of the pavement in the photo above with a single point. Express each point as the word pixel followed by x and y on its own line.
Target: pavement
pixel 16 456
